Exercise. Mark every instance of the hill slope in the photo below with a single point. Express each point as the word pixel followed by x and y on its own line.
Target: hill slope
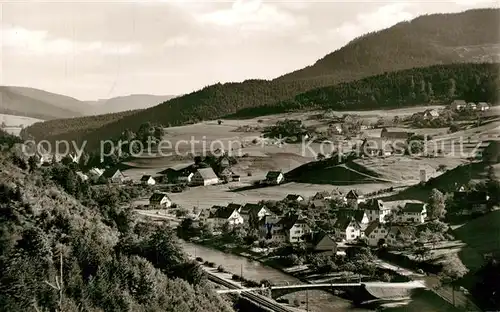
pixel 424 41
pixel 39 104
pixel 125 103
pixel 395 53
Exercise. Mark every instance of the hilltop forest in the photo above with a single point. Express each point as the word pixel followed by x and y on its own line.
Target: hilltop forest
pixel 67 246
pixel 438 84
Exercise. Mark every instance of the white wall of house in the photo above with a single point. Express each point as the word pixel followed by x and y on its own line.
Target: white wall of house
pixel 150 181
pixel 297 231
pixel 198 180
pixel 413 217
pixel 234 219
pixel 376 235
pixel 378 215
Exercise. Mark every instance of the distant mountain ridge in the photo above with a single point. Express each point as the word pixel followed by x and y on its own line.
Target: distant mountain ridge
pixel 425 41
pixel 125 103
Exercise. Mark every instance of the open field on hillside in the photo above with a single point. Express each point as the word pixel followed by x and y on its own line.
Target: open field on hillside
pixel 14 124
pixel 407 168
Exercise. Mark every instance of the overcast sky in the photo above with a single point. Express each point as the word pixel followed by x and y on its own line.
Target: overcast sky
pixel 102 49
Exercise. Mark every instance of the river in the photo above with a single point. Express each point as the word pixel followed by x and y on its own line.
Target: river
pixel 319 301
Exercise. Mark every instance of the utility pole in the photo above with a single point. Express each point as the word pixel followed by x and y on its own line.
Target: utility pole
pixel 241 271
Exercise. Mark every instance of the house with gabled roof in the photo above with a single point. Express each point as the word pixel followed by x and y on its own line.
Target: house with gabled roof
pixel 291 228
pixel 347 229
pixel 353 198
pixel 395 135
pixel 204 176
pixel 96 172
pixel 377 147
pixel 82 176
pixel 376 209
pixel 458 105
pixel 471 106
pixel 223 215
pixel 357 214
pixel 294 198
pixel 159 200
pixel 483 106
pixel 253 212
pixel 148 180
pixel 321 196
pixel 321 242
pixel 413 213
pixel 274 177
pixel 114 175
pixel 378 234
pixel 431 114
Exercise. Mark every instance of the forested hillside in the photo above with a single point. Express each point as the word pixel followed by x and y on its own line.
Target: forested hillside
pixel 438 84
pixel 83 252
pixel 424 41
pixel 428 40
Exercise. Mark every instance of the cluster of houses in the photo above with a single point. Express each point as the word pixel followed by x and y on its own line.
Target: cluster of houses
pixel 367 219
pixel 461 105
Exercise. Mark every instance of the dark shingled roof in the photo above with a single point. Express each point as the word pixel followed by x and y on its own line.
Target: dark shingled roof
pixel 157 197
pixel 290 220
pixel 222 213
pixel 373 204
pixel 145 178
pixel 271 175
pixel 343 222
pixel 414 207
pixel 371 227
pixel 109 173
pixel 292 197
pixel 353 194
pixel 207 173
pixel 251 208
pixel 356 214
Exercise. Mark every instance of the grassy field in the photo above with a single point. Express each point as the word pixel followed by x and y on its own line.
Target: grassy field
pixel 14 124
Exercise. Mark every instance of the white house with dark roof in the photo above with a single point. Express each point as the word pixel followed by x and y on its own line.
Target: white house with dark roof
pixel 204 176
pixel 148 180
pixel 347 229
pixel 375 210
pixel 255 211
pixel 114 175
pixel 294 198
pixel 458 104
pixel 377 234
pixel 160 200
pixel 483 106
pixel 353 198
pixel 96 172
pixel 224 215
pixel 291 228
pixel 274 177
pixel 413 213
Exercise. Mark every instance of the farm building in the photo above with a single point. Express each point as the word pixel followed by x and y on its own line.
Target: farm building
pixel 294 198
pixel 114 175
pixel 413 213
pixel 458 105
pixel 274 177
pixel 148 180
pixel 160 200
pixel 483 106
pixel 204 176
pixel 395 135
pixel 224 215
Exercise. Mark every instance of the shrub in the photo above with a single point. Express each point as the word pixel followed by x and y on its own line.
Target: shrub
pixel 205 263
pixel 199 259
pixel 221 269
pixel 211 265
pixel 296 302
pixel 235 277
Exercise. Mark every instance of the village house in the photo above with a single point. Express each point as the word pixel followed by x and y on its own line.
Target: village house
pixel 471 106
pixel 347 229
pixel 114 175
pixel 253 212
pixel 96 172
pixel 483 106
pixel 335 129
pixel 413 213
pixel 294 198
pixel 378 234
pixel 82 176
pixel 186 177
pixel 431 114
pixel 147 180
pixel 458 105
pixel 223 215
pixel 318 204
pixel 353 198
pixel 225 174
pixel 205 214
pixel 358 215
pixel 204 176
pixel 471 202
pixel 274 177
pixel 321 242
pixel 236 178
pixel 321 196
pixel 224 162
pixel 159 200
pixel 375 210
pixel 291 228
pixel 377 147
pixel 395 135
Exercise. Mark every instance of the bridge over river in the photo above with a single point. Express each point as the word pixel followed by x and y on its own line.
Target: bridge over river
pixel 368 290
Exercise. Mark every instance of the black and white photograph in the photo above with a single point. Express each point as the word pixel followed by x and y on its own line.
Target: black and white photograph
pixel 249 156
